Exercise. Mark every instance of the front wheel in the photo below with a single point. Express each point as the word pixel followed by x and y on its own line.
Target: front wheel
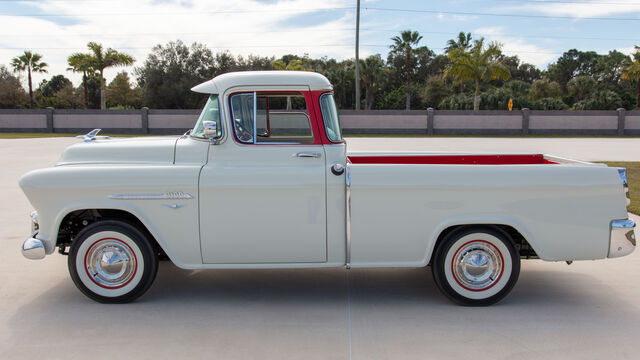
pixel 476 266
pixel 112 262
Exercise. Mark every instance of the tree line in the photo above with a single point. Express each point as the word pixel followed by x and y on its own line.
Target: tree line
pixel 470 74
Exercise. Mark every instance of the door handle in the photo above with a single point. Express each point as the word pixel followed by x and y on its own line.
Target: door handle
pixel 308 155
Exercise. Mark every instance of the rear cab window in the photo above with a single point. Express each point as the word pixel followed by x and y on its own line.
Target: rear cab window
pixel 330 117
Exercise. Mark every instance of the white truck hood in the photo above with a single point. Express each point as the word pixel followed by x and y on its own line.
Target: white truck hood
pixel 143 150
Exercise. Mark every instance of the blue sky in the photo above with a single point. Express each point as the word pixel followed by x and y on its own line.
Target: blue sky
pixel 538 31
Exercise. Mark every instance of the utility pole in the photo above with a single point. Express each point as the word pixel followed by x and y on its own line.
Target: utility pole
pixel 358 57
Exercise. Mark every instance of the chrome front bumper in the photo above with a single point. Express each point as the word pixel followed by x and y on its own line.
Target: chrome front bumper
pixel 32 248
pixel 623 238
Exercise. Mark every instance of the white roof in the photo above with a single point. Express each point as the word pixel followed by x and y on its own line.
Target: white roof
pixel 222 82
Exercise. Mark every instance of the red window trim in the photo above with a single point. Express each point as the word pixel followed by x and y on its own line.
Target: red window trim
pixel 315 94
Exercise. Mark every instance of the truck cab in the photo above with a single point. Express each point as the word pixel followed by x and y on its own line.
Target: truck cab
pixel 270 169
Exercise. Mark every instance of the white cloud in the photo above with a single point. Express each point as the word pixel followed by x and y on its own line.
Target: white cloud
pixel 628 50
pixel 243 27
pixel 454 17
pixel 597 8
pixel 512 45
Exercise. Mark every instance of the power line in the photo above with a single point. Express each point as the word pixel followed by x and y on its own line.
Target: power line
pixel 525 1
pixel 129 35
pixel 191 13
pixel 370 30
pixel 468 13
pixel 465 13
pixel 570 2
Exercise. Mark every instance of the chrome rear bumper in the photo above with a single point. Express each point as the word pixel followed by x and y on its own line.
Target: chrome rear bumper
pixel 33 249
pixel 623 238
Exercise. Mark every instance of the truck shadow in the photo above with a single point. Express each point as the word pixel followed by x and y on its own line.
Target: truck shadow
pixel 291 286
pixel 394 286
pixel 371 297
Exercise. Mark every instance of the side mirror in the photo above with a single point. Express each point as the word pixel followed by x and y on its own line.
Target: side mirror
pixel 210 129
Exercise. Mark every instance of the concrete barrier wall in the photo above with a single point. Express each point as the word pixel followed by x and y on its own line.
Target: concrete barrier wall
pixel 574 120
pixel 428 122
pixel 12 121
pixel 69 120
pixel 171 119
pixel 383 121
pixel 487 120
pixel 633 122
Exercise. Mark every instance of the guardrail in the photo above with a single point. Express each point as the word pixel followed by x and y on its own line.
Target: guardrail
pixel 428 122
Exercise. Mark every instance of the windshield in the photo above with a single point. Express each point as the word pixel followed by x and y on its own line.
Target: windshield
pixel 330 117
pixel 211 112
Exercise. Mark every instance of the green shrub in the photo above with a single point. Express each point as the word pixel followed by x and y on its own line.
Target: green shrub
pixel 456 102
pixel 600 100
pixel 548 103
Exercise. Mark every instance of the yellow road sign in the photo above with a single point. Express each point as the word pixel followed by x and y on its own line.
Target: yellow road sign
pixel 510 106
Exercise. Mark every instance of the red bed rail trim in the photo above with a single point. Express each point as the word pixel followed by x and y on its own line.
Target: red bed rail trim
pixel 452 159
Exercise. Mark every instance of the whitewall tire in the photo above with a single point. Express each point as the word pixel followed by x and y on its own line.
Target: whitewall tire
pixel 476 266
pixel 112 262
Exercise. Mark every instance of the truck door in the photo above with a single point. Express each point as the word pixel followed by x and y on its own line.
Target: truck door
pixel 263 191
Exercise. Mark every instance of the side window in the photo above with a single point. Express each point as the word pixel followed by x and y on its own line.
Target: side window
pixel 242 115
pixel 278 118
pixel 211 112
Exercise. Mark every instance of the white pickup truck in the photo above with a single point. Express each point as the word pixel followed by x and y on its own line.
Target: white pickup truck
pixel 264 180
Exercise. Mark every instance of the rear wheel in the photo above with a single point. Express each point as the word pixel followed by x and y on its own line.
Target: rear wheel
pixel 112 262
pixel 476 266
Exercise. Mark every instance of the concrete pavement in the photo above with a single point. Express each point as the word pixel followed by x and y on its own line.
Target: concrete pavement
pixel 588 310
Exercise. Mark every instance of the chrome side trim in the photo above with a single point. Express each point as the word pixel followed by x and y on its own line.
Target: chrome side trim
pixel 255 117
pixel 173 195
pixel 33 249
pixel 308 155
pixel 623 238
pixel 625 183
pixel 348 215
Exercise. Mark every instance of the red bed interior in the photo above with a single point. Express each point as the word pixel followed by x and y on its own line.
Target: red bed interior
pixel 452 159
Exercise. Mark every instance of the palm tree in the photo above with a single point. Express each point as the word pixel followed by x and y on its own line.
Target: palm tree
pixel 82 63
pixel 463 42
pixel 581 86
pixel 371 70
pixel 632 72
pixel 404 44
pixel 31 62
pixel 100 60
pixel 479 64
pixel 291 65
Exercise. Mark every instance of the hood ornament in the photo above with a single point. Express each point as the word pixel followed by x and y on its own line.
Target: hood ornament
pixel 92 135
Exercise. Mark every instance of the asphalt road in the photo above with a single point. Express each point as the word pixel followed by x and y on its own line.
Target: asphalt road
pixel 589 310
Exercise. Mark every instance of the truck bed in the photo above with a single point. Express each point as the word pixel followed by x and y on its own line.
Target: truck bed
pixel 488 159
pixel 399 206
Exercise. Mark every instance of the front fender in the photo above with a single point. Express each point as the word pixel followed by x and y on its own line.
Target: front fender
pixel 173 221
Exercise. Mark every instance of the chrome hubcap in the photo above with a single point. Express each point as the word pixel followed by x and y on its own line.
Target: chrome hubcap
pixel 110 263
pixel 477 265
